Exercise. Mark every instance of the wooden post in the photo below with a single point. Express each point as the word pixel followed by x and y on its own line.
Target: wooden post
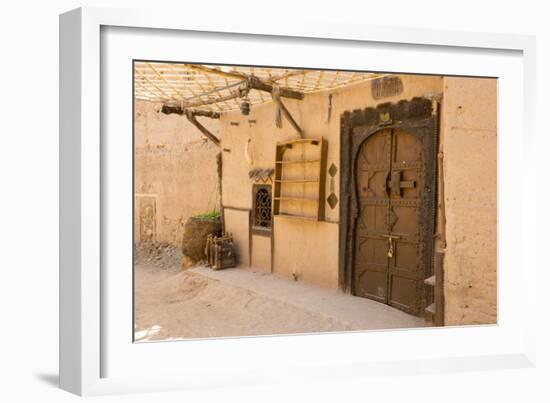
pixel 276 95
pixel 439 317
pixel 191 118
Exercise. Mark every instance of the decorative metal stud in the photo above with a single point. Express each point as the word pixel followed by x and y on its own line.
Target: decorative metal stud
pixel 332 170
pixel 332 201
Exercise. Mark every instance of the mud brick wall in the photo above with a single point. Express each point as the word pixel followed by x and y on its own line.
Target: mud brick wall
pixel 175 173
pixel 469 145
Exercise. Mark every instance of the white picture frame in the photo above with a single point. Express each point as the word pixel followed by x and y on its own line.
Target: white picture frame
pixel 88 341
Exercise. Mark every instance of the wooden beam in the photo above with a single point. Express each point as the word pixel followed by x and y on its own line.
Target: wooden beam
pixel 232 95
pixel 439 300
pixel 257 84
pixel 253 81
pixel 289 117
pixel 206 114
pixel 156 86
pixel 275 94
pixel 232 74
pixel 191 118
pixel 159 75
pixel 213 85
pixel 168 109
pixel 245 83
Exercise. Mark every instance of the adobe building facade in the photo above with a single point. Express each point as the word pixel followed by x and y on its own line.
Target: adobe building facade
pixel 177 169
pixel 309 250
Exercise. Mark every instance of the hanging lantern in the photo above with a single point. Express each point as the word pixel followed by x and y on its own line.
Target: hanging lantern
pixel 245 103
pixel 245 106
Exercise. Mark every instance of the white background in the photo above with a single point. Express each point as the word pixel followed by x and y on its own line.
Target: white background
pixel 274 356
pixel 28 285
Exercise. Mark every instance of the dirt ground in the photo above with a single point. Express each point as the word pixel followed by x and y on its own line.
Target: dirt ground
pixel 175 304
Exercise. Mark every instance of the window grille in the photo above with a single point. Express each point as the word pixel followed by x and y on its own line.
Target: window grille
pixel 262 207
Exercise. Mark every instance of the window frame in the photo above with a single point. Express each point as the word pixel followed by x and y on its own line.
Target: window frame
pixel 256 229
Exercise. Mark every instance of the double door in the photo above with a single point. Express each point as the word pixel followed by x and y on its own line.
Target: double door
pixel 392 187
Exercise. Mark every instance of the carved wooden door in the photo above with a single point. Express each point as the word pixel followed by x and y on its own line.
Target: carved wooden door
pixel 389 258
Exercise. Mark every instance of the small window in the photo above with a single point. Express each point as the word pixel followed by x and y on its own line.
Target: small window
pixel 262 207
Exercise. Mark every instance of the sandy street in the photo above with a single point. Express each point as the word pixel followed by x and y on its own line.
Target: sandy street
pixel 174 304
pixel 200 302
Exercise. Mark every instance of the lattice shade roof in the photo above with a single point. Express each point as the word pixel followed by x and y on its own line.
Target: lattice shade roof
pixel 215 88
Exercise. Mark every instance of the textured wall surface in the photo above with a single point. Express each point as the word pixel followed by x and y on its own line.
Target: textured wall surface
pixel 261 252
pixel 236 223
pixel 307 250
pixel 174 166
pixel 310 249
pixel 469 145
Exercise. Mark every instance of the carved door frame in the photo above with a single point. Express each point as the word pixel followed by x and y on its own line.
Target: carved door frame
pixel 420 117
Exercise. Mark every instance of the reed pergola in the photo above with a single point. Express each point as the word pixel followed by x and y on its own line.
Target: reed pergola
pixel 208 90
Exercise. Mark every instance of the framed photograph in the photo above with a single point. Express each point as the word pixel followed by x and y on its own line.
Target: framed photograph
pixel 243 203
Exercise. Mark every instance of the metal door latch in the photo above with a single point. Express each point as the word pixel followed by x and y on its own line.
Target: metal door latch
pixel 390 244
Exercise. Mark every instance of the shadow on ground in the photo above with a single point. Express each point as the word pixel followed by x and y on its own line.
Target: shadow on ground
pixel 49 379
